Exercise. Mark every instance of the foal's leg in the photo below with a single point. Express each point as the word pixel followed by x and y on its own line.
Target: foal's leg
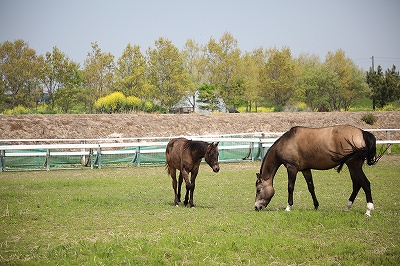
pixel 174 184
pixel 185 176
pixel 180 186
pixel 360 180
pixel 193 182
pixel 292 172
pixel 308 176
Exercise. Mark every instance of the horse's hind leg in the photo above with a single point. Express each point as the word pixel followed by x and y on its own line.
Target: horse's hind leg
pixel 356 188
pixel 310 184
pixel 360 180
pixel 180 181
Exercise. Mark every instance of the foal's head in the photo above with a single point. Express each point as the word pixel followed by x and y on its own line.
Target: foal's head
pixel 264 193
pixel 211 156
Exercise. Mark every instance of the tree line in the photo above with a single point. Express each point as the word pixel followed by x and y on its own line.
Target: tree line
pixel 215 76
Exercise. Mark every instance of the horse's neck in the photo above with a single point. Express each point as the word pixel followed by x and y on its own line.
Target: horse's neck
pixel 270 165
pixel 201 151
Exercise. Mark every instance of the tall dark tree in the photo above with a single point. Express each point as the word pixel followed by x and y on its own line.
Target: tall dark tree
pixel 392 81
pixel 376 82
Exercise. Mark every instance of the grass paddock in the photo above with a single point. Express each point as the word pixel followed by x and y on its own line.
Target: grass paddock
pixel 126 216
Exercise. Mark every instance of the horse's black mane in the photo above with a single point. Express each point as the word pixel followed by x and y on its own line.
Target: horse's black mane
pixel 197 145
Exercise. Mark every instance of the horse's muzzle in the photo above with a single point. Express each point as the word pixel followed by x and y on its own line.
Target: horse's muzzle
pixel 258 206
pixel 216 168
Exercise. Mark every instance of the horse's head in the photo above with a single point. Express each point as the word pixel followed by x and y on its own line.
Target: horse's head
pixel 264 193
pixel 211 156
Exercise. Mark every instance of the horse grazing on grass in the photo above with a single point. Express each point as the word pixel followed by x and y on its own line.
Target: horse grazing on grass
pixel 302 149
pixel 185 155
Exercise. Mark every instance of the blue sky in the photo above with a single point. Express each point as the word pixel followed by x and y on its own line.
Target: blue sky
pixel 361 28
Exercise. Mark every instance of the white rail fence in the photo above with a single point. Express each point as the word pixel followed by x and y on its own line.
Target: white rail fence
pixel 252 146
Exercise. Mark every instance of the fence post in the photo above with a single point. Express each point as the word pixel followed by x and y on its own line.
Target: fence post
pixel 83 157
pixel 138 156
pixel 261 146
pixel 389 151
pixel 252 151
pixel 91 157
pixel 48 160
pixel 2 160
pixel 99 157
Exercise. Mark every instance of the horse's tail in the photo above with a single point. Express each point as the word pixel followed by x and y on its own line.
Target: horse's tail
pixel 167 152
pixel 370 144
pixel 368 152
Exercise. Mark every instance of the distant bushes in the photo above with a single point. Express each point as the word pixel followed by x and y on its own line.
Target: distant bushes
pixel 369 119
pixel 116 102
pixel 19 110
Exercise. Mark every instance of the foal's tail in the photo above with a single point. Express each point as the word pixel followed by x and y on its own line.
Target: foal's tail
pixel 368 152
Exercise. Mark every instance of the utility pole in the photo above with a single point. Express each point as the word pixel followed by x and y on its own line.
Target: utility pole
pixel 373 69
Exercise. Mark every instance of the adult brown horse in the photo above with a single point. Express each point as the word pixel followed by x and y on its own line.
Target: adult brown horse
pixel 185 155
pixel 302 149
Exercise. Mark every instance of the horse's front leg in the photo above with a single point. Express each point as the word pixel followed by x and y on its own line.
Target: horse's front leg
pixel 310 184
pixel 292 172
pixel 193 183
pixel 185 176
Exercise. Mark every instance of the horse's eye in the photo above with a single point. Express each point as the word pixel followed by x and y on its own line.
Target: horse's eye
pixel 258 191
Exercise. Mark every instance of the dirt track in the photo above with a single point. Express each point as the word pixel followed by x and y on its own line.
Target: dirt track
pixel 149 125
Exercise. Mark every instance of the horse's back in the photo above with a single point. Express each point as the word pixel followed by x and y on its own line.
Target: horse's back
pixel 333 136
pixel 174 151
pixel 314 148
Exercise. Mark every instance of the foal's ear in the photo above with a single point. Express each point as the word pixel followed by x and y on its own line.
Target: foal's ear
pixel 215 143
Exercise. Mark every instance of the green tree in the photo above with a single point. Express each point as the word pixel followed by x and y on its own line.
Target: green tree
pixel 59 73
pixel 316 80
pixel 351 84
pixel 195 64
pixel 20 71
pixel 278 78
pixel 98 74
pixel 71 94
pixel 167 74
pixel 130 73
pixel 252 64
pixel 392 81
pixel 223 66
pixel 376 82
pixel 384 86
pixel 208 97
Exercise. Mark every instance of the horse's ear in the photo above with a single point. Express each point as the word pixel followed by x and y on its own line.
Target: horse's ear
pixel 258 176
pixel 216 144
pixel 258 181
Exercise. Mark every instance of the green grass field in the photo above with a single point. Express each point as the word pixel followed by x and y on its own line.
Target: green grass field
pixel 125 216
